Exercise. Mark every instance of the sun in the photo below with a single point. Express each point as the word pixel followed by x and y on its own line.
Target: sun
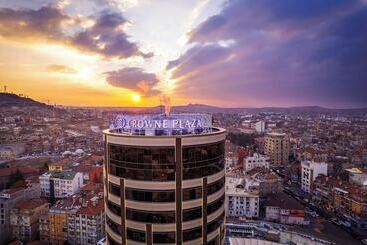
pixel 136 98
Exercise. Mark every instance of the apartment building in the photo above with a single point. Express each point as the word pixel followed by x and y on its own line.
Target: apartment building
pixel 24 219
pixel 8 199
pixel 60 184
pixel 284 209
pixel 241 201
pixel 277 147
pixel 309 171
pixel 254 161
pixel 77 219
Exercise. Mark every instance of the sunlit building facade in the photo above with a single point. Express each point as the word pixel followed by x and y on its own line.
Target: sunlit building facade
pixel 164 188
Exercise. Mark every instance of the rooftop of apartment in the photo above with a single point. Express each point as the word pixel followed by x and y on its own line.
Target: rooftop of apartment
pixel 88 201
pixel 65 174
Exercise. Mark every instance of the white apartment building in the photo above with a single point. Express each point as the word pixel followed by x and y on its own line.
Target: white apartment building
pixel 260 126
pixel 240 202
pixel 60 184
pixel 310 170
pixel 255 161
pixel 231 161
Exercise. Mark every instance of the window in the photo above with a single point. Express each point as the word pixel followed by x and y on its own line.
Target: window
pixel 212 226
pixel 192 193
pixel 114 189
pixel 164 237
pixel 192 234
pixel 202 160
pixel 150 217
pixel 142 163
pixel 150 196
pixel 114 226
pixel 114 208
pixel 191 214
pixel 135 235
pixel 214 206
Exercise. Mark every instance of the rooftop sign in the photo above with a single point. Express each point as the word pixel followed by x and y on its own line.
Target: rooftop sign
pixel 166 125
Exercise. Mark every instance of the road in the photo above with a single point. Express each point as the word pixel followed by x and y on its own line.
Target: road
pixel 325 229
pixel 320 227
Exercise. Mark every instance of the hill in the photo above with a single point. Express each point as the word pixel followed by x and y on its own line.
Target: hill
pixel 9 100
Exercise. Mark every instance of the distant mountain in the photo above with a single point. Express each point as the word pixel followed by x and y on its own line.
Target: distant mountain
pixel 200 108
pixel 9 100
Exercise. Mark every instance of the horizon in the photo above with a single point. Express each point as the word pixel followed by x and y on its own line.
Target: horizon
pixel 189 104
pixel 222 53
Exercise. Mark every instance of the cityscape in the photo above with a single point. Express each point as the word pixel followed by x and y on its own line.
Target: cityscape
pixel 235 122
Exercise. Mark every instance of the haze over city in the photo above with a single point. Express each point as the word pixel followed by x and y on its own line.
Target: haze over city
pixel 215 52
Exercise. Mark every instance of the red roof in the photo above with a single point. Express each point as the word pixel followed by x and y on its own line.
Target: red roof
pixel 30 204
pixel 24 170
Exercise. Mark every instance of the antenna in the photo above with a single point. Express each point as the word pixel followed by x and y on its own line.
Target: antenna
pixel 167 105
pixel 161 104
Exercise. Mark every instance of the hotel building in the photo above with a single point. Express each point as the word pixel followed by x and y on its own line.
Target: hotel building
pixel 165 183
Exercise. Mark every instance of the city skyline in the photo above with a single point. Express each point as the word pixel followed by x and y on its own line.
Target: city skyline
pixel 222 53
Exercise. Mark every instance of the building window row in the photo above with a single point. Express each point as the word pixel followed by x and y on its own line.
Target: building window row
pixel 140 174
pixel 194 173
pixel 214 206
pixel 135 235
pixel 212 226
pixel 114 208
pixel 114 226
pixel 200 153
pixel 134 154
pixel 164 237
pixel 165 195
pixel 161 217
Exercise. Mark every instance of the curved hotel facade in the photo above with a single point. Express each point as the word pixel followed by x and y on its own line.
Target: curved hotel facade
pixel 165 186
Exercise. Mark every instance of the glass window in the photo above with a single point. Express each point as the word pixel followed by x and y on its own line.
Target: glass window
pixel 191 193
pixel 214 206
pixel 212 226
pixel 142 163
pixel 216 186
pixel 135 235
pixel 150 196
pixel 202 160
pixel 150 217
pixel 114 226
pixel 164 237
pixel 114 208
pixel 114 189
pixel 192 234
pixel 191 214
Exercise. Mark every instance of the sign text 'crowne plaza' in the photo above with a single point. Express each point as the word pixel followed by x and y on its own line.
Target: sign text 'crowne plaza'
pixel 188 123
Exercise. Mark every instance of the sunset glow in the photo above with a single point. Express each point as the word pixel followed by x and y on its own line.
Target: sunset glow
pixel 119 53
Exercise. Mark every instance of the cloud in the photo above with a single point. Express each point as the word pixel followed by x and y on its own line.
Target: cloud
pixel 134 79
pixel 280 53
pixel 60 69
pixel 105 36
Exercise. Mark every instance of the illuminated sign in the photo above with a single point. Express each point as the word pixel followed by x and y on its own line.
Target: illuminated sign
pixel 171 124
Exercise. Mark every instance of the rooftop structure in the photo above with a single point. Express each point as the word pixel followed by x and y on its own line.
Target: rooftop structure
pixel 157 125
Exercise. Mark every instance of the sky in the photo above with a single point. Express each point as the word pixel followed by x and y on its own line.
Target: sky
pixel 231 53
